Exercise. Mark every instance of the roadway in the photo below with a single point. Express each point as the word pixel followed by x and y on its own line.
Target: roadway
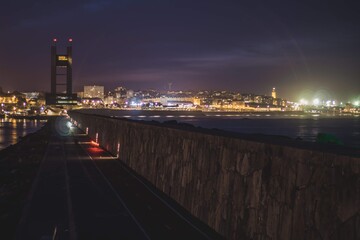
pixel 82 192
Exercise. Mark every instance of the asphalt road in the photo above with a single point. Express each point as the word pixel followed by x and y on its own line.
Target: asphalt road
pixel 82 192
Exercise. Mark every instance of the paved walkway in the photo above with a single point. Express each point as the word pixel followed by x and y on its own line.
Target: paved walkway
pixel 82 192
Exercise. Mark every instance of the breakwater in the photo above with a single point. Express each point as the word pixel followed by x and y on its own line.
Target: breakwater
pixel 243 187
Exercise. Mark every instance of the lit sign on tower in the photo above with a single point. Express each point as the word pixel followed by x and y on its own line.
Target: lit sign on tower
pixel 62 61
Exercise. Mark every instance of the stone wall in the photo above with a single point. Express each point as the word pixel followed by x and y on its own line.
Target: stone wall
pixel 244 189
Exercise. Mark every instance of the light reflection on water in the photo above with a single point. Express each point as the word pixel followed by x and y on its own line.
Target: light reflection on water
pixel 12 129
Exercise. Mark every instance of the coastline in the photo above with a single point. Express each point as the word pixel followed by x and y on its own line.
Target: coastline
pixel 199 113
pixel 29 117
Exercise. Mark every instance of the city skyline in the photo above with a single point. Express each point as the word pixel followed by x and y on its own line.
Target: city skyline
pixel 301 48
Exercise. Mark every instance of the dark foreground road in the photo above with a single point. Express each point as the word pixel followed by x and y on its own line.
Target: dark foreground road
pixel 82 192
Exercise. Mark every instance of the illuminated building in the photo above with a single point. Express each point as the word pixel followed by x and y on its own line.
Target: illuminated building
pixel 80 94
pixel 258 99
pixel 61 66
pixel 237 104
pixel 34 98
pixel 11 98
pixel 273 93
pixel 92 102
pixel 109 100
pixel 197 101
pixel 120 92
pixel 129 93
pixel 166 100
pixel 248 97
pixel 277 102
pixel 31 95
pixel 267 100
pixel 94 92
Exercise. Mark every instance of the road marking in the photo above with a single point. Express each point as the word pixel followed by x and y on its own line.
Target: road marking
pixel 80 135
pixel 72 226
pixel 155 194
pixel 167 204
pixel 29 198
pixel 55 233
pixel 118 196
pixel 105 158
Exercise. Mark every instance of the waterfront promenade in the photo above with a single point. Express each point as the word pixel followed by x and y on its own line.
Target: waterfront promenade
pixel 82 192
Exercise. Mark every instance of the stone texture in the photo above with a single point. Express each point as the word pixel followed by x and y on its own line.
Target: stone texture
pixel 243 189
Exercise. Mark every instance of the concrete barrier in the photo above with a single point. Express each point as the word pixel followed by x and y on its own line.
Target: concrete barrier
pixel 244 189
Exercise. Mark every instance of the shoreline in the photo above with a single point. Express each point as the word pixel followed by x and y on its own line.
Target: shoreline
pixel 197 113
pixel 32 117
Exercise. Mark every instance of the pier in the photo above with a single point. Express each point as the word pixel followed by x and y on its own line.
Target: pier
pixel 82 191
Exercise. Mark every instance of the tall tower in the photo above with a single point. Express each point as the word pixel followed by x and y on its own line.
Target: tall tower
pixel 273 93
pixel 61 66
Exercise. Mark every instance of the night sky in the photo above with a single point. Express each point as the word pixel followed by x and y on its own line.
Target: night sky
pixel 303 48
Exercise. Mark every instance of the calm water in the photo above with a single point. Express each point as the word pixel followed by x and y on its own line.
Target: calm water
pixel 12 129
pixel 347 129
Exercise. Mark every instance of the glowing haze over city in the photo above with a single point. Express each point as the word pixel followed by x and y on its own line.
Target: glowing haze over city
pixel 308 50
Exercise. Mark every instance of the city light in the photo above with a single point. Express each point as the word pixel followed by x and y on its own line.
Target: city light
pixel 316 101
pixel 304 102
